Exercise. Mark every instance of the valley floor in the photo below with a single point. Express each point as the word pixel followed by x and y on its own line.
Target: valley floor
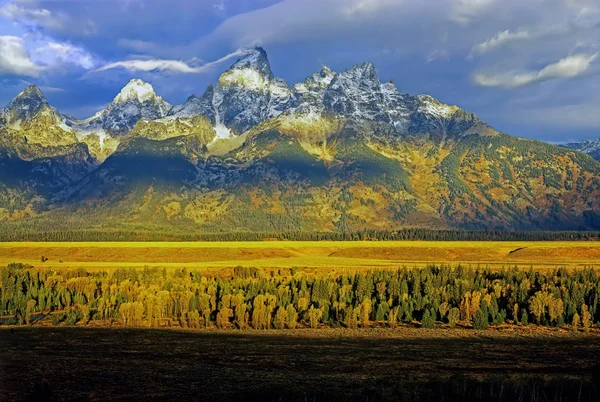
pixel 302 254
pixel 403 364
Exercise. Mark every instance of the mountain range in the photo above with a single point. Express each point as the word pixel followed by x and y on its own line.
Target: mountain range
pixel 340 151
pixel 590 147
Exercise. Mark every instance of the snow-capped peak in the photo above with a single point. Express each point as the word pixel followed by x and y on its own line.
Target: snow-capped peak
pixel 27 104
pixel 591 147
pixel 257 60
pixel 137 100
pixel 32 91
pixel 135 89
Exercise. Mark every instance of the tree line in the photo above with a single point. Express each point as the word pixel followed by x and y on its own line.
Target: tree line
pixel 288 298
pixel 9 234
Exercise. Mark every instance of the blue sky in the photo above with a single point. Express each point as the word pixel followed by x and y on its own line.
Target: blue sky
pixel 530 68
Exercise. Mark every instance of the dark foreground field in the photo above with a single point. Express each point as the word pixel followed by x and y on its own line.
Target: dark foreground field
pixel 131 364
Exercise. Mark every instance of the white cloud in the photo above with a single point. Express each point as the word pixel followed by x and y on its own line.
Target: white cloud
pixel 48 89
pixel 366 6
pixel 465 11
pixel 220 5
pixel 569 67
pixel 29 15
pixel 14 58
pixel 171 66
pixel 69 54
pixel 174 66
pixel 501 39
pixel 435 55
pixel 33 16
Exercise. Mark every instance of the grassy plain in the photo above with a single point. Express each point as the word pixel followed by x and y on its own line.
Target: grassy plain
pixel 303 365
pixel 302 254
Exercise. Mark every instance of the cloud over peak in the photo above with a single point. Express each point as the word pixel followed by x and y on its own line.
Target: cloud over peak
pixel 170 66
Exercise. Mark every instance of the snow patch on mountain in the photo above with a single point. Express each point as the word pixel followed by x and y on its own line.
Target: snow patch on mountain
pixel 247 78
pixel 223 133
pixel 432 106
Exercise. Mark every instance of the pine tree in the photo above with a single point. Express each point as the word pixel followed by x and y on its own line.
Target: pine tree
pixel 480 320
pixel 428 320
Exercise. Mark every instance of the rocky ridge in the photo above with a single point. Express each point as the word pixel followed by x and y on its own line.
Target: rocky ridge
pixel 591 147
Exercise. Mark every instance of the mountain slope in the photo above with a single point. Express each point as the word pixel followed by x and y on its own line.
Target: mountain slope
pixel 336 152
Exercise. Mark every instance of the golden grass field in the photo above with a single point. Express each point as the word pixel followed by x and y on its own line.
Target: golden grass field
pixel 302 254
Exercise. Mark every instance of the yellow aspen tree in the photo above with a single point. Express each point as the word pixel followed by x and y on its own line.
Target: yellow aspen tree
pixel 226 301
pixel 575 322
pixel 465 307
pixel 393 317
pixel 280 318
pixel 85 311
pixel 586 318
pixel 443 309
pixel 124 312
pixel 240 315
pixel 475 302
pixel 271 302
pixel 537 306
pixel 303 304
pixel 365 312
pixel 237 300
pixel 292 317
pixel 138 314
pixel 453 316
pixel 314 316
pixel 193 318
pixel 29 309
pixel 223 317
pixel 259 311
pixel 556 309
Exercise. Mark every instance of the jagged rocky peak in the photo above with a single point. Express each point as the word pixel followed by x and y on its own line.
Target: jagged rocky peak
pixel 309 93
pixel 248 93
pixel 137 100
pixel 26 104
pixel 256 59
pixel 252 71
pixel 195 105
pixel 356 93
